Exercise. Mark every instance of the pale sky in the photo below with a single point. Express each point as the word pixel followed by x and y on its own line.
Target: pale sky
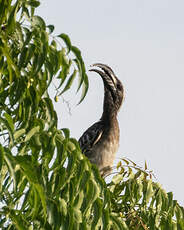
pixel 143 41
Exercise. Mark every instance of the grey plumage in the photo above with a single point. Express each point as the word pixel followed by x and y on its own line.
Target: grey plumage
pixel 100 141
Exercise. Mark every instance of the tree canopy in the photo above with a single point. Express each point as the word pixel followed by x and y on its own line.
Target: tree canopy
pixel 45 180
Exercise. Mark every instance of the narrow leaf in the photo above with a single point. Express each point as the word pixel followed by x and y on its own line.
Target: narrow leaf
pixel 66 132
pixel 51 28
pixel 145 166
pixel 18 220
pixel 84 88
pixel 1 156
pixel 32 132
pixel 98 205
pixel 10 121
pixel 25 163
pixel 19 133
pixel 33 3
pixel 38 21
pixel 149 191
pixel 69 82
pixel 42 197
pixel 66 39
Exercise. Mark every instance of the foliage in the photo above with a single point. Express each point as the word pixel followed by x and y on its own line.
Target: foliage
pixel 141 202
pixel 45 181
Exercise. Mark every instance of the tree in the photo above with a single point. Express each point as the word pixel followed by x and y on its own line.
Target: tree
pixel 45 180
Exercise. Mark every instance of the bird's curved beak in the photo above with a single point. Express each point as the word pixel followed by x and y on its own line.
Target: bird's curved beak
pixel 108 76
pixel 107 70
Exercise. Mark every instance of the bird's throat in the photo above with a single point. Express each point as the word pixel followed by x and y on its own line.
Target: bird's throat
pixel 109 108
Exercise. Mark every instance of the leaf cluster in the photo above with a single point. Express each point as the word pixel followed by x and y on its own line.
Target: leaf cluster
pixel 141 201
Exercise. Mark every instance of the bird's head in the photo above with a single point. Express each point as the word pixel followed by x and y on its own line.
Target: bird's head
pixel 112 85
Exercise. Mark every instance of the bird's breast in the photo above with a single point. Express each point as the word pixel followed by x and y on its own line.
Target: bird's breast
pixel 103 153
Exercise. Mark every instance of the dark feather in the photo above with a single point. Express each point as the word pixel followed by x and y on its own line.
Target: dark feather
pixel 91 137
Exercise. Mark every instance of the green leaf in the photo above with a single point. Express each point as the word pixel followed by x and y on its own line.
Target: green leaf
pixel 66 64
pixel 78 55
pixel 149 191
pixel 98 205
pixel 50 112
pixel 1 156
pixel 12 17
pixel 63 205
pixel 105 219
pixel 145 166
pixel 32 132
pixel 29 170
pixel 84 88
pixel 17 220
pixel 84 180
pixel 92 194
pixel 10 121
pixel 82 72
pixel 80 64
pixel 120 224
pixel 11 65
pixel 23 55
pixel 42 195
pixel 66 132
pixel 37 21
pixel 66 39
pixel 8 126
pixel 51 28
pixel 9 160
pixel 35 201
pixel 5 7
pixel 19 133
pixel 33 3
pixel 79 200
pixel 117 178
pixel 126 161
pixel 69 82
pixel 30 54
pixel 77 215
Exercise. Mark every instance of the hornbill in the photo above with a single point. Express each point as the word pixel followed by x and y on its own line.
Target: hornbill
pixel 100 141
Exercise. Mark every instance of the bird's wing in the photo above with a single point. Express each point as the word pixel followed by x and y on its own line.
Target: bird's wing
pixel 90 137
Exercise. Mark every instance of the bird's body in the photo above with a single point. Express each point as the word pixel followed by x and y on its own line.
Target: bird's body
pixel 100 141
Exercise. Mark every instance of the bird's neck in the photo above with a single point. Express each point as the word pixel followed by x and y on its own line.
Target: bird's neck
pixel 109 110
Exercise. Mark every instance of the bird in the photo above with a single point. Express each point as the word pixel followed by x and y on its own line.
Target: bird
pixel 100 142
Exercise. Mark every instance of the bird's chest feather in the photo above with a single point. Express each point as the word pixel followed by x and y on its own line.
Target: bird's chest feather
pixel 104 151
